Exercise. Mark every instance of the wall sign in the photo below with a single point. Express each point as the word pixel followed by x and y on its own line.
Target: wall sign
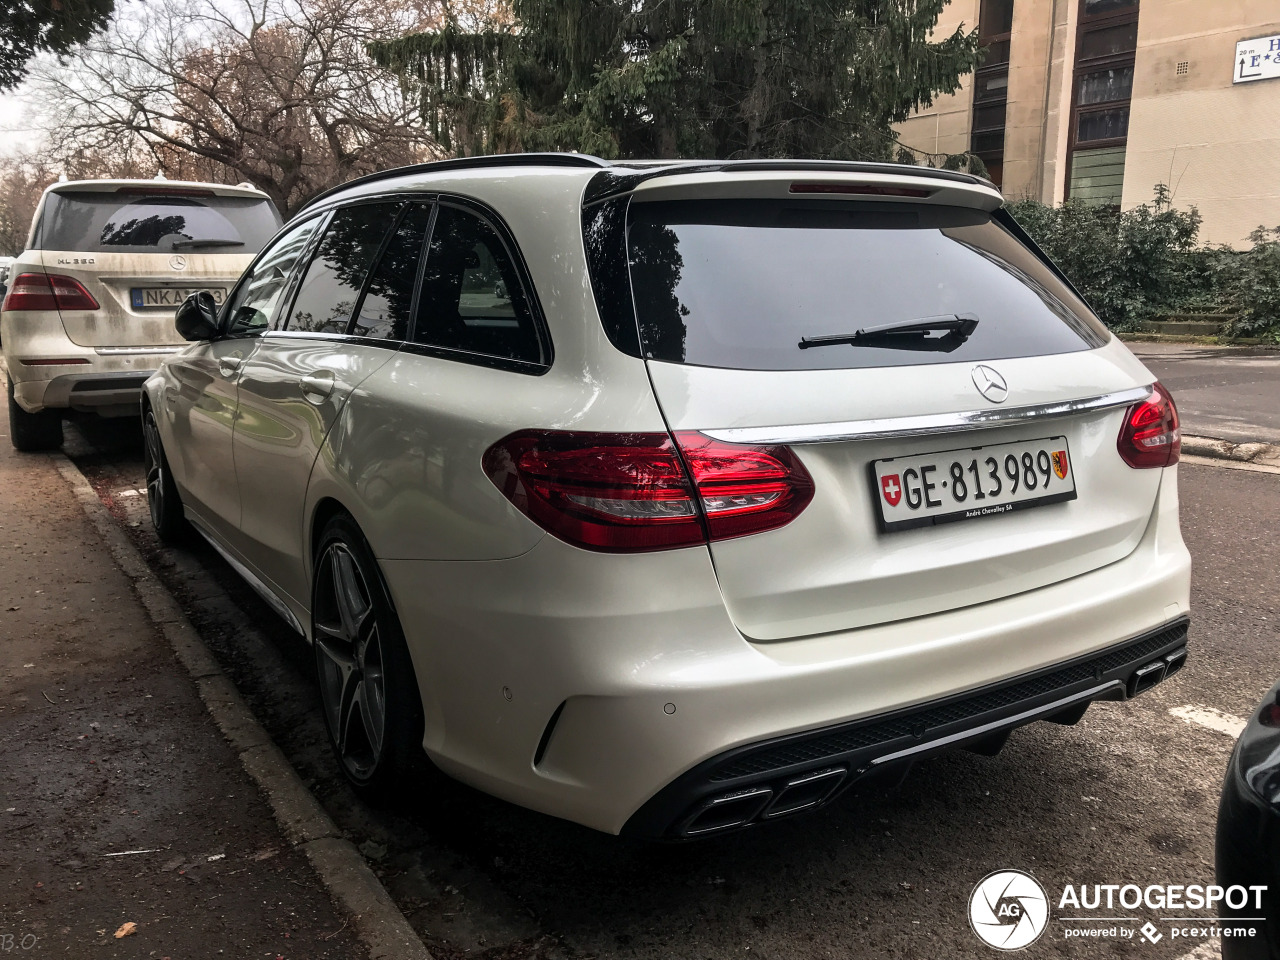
pixel 1257 59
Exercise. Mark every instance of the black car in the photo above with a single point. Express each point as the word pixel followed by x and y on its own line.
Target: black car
pixel 1248 845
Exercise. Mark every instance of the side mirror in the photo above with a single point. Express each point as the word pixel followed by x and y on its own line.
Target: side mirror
pixel 197 318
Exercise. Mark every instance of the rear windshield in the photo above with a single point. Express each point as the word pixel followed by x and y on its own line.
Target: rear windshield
pixel 739 283
pixel 129 223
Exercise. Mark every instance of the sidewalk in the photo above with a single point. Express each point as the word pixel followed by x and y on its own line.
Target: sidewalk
pixel 120 802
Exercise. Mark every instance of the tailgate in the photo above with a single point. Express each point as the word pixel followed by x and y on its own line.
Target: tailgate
pixel 863 331
pixel 138 293
pixel 834 567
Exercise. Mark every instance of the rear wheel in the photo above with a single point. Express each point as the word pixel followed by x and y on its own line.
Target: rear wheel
pixel 162 494
pixel 368 689
pixel 30 432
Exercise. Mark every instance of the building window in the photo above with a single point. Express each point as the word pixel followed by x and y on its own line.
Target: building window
pixel 991 86
pixel 1103 85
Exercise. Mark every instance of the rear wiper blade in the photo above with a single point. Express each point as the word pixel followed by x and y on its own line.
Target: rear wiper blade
pixel 188 244
pixel 905 334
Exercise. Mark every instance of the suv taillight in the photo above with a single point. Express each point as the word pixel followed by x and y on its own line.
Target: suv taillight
pixel 36 291
pixel 623 492
pixel 1149 436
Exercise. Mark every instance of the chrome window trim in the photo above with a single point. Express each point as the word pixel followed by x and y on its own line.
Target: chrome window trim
pixel 928 424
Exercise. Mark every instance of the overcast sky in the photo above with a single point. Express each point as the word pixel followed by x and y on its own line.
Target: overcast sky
pixel 16 133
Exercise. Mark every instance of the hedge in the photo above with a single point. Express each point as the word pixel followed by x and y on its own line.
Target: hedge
pixel 1146 264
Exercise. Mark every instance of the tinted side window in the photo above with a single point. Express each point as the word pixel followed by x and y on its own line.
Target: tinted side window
pixel 256 299
pixel 337 272
pixel 472 299
pixel 384 311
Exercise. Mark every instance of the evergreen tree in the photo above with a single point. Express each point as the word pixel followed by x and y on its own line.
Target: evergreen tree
pixel 29 26
pixel 684 78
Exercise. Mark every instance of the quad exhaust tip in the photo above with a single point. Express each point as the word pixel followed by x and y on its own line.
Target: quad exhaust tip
pixel 741 807
pixel 1144 678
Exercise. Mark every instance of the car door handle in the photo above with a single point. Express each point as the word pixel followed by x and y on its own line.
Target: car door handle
pixel 229 366
pixel 316 387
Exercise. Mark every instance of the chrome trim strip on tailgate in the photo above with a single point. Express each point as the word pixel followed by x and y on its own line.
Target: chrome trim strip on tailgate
pixel 134 351
pixel 928 424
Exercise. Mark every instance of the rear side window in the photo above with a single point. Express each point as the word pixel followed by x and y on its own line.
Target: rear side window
pixel 385 310
pixel 125 222
pixel 337 272
pixel 472 299
pixel 739 283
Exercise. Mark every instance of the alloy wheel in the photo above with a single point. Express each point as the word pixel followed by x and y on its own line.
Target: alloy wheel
pixel 349 661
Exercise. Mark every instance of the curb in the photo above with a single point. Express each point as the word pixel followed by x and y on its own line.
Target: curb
pixel 1261 454
pixel 307 827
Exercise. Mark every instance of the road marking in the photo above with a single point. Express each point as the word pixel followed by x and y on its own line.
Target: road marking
pixel 1211 718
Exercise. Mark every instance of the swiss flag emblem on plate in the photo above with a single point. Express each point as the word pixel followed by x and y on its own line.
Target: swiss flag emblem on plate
pixel 891 488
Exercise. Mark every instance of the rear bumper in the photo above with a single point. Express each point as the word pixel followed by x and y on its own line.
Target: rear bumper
pixel 786 775
pixel 107 393
pixel 585 685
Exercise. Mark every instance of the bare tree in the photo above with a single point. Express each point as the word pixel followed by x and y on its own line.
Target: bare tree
pixel 277 92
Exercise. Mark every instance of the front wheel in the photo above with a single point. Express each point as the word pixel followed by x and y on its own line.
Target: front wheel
pixel 32 432
pixel 368 689
pixel 162 493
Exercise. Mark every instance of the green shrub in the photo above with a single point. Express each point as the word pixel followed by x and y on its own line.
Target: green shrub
pixel 1253 279
pixel 1130 266
pixel 1144 264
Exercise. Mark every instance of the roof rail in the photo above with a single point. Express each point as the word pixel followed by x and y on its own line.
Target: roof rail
pixel 469 163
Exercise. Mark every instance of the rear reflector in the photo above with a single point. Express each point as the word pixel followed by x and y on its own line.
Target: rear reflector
pixel 636 491
pixel 1149 436
pixel 52 363
pixel 36 291
pixel 861 189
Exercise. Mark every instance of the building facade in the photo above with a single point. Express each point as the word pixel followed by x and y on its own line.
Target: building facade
pixel 1101 100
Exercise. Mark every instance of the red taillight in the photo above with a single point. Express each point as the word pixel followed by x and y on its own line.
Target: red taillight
pixel 631 492
pixel 36 291
pixel 1149 436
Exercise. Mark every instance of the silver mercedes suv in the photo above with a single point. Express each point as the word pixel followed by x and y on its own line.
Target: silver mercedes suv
pixel 90 303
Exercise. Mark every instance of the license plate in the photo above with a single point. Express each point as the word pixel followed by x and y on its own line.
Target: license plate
pixel 172 297
pixel 971 483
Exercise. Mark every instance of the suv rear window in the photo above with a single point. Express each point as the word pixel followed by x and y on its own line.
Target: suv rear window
pixel 738 284
pixel 132 223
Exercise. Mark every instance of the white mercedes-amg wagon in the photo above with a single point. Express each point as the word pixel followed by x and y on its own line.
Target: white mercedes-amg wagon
pixel 674 497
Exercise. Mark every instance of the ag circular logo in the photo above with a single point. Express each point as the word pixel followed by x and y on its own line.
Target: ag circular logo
pixel 1008 910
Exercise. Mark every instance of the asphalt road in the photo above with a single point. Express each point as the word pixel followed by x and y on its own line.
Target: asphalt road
pixel 1129 795
pixel 1229 393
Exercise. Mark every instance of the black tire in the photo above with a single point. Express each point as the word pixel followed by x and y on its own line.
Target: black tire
pixel 162 493
pixel 33 432
pixel 368 689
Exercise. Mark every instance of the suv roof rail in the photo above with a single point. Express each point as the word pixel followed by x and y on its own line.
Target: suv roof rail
pixel 467 163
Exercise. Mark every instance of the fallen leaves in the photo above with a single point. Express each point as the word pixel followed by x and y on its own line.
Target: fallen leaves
pixel 126 929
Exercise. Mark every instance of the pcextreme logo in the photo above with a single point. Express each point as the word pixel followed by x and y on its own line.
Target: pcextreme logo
pixel 1008 910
